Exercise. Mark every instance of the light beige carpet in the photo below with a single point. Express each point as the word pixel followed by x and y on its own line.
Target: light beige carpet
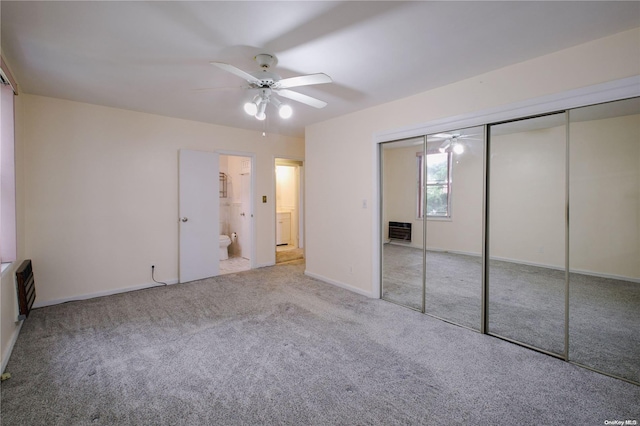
pixel 272 346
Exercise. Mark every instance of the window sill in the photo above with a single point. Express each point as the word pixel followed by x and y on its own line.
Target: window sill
pixel 437 219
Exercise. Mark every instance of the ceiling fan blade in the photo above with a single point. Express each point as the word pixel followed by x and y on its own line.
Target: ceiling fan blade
pixel 299 97
pixel 304 80
pixel 207 89
pixel 238 72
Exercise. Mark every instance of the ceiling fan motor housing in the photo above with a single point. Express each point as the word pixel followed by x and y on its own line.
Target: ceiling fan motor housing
pixel 265 60
pixel 267 78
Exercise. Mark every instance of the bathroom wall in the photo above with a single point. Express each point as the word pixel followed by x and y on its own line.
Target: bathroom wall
pixel 234 185
pixel 225 203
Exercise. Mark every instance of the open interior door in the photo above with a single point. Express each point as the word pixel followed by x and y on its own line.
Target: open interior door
pixel 199 214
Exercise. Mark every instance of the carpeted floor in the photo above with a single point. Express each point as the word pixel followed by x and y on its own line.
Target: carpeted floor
pixel 274 347
pixel 526 303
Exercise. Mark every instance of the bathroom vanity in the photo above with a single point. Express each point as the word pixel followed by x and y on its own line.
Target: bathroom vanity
pixel 283 228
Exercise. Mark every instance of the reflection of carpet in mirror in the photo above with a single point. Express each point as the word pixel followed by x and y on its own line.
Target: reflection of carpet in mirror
pixel 526 303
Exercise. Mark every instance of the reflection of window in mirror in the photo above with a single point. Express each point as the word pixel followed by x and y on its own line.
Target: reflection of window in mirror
pixel 437 185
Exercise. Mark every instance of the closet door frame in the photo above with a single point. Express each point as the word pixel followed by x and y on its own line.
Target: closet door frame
pixel 599 93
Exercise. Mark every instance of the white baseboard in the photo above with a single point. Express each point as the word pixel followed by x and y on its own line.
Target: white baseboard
pixel 572 271
pixel 264 265
pixel 601 275
pixel 9 349
pixel 339 284
pixel 38 304
pixel 466 253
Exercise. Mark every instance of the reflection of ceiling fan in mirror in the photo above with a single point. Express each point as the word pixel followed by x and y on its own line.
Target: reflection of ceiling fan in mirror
pixel 451 142
pixel 269 84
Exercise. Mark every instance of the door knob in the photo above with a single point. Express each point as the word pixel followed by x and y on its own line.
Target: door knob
pixel 242 214
pixel 184 219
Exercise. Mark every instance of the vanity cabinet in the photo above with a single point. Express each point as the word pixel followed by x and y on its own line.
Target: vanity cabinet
pixel 283 228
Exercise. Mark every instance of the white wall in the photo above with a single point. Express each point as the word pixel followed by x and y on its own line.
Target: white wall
pixel 604 222
pixel 101 193
pixel 340 229
pixel 462 232
pixel 527 217
pixel 527 197
pixel 400 190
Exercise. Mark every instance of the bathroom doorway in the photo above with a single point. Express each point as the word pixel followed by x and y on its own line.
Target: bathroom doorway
pixel 289 210
pixel 236 213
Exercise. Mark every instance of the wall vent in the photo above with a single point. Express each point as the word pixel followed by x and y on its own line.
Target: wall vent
pixel 400 231
pixel 26 288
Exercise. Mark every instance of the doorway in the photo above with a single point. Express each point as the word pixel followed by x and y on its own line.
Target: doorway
pixel 289 207
pixel 236 243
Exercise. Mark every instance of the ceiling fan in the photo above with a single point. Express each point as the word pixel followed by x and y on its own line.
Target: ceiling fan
pixel 452 142
pixel 268 84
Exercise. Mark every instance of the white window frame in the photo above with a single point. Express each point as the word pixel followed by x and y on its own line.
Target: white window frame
pixel 422 185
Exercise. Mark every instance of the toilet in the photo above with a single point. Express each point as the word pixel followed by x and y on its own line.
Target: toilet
pixel 224 247
pixel 225 241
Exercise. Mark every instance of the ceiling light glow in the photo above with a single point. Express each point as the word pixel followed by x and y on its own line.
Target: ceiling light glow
pixel 285 111
pixel 250 108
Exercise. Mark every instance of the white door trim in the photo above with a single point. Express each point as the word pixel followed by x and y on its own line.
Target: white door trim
pixel 301 200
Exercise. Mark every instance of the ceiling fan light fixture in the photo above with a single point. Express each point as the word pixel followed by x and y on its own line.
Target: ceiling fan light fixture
pixel 251 108
pixel 260 115
pixel 458 148
pixel 285 111
pixel 268 82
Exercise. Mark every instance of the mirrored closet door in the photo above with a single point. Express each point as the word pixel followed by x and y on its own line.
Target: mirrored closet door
pixel 432 210
pixel 526 231
pixel 604 230
pixel 532 235
pixel 453 190
pixel 402 228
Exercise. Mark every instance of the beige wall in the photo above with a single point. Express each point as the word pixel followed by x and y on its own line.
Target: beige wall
pixel 101 193
pixel 399 187
pixel 605 196
pixel 527 217
pixel 461 233
pixel 340 230
pixel 527 197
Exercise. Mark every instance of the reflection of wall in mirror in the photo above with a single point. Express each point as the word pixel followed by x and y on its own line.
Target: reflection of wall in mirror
pixel 528 198
pixel 463 233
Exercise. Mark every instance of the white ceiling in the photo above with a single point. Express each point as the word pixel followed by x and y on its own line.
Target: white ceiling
pixel 153 56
